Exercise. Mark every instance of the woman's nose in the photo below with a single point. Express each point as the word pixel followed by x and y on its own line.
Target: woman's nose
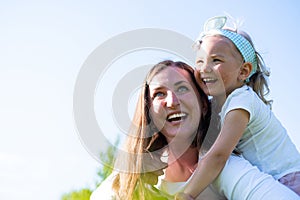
pixel 171 99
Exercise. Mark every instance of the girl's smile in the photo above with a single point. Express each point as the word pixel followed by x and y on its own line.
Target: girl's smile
pixel 219 64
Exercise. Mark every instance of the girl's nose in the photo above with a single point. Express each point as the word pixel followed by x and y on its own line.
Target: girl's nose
pixel 205 68
pixel 171 100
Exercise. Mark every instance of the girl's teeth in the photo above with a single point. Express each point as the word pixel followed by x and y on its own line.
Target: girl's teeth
pixel 208 80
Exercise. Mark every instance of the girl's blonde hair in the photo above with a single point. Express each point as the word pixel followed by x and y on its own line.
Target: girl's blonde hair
pixel 259 80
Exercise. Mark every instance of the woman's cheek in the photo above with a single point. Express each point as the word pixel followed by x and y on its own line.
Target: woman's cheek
pixel 158 116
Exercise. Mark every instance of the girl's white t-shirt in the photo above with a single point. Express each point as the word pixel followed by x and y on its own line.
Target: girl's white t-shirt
pixel 265 142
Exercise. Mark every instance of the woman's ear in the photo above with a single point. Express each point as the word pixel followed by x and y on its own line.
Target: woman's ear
pixel 245 71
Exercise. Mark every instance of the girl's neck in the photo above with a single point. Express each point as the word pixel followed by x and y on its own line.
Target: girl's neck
pixel 220 99
pixel 217 103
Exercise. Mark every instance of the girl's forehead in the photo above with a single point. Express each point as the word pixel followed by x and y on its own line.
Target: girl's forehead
pixel 217 44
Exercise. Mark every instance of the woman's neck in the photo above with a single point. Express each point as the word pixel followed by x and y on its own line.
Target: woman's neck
pixel 180 169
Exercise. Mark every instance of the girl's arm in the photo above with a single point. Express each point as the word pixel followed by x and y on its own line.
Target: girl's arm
pixel 214 160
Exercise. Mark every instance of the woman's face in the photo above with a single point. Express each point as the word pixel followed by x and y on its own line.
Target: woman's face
pixel 174 104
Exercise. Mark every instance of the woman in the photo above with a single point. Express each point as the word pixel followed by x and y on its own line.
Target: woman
pixel 171 119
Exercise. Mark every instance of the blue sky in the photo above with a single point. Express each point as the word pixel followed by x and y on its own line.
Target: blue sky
pixel 43 45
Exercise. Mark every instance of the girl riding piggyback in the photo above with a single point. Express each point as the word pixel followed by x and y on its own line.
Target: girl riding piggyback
pixel 231 71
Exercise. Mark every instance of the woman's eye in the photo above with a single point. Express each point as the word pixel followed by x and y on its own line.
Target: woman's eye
pixel 182 89
pixel 158 94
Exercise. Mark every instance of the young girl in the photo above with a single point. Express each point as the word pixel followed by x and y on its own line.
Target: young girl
pixel 233 73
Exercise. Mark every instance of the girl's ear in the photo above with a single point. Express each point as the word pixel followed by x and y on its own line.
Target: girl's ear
pixel 245 71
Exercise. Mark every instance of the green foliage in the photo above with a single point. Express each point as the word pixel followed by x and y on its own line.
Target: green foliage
pixel 83 194
pixel 107 158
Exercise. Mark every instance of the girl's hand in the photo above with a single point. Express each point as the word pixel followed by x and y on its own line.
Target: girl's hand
pixel 183 196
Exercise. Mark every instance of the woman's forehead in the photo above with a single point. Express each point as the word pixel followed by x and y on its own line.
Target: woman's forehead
pixel 170 75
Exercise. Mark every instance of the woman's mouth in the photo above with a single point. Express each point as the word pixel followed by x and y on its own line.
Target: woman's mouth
pixel 176 117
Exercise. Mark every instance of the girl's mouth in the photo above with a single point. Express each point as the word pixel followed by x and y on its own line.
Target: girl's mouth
pixel 209 80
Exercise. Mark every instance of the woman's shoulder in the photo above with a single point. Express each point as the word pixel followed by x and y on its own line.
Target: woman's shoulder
pixel 104 190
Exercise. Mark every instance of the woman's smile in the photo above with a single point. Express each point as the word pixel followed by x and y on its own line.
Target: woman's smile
pixel 176 117
pixel 174 103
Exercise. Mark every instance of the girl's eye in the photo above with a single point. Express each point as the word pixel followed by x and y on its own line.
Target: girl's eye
pixel 199 62
pixel 216 60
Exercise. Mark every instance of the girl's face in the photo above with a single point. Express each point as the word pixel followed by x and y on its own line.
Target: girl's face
pixel 174 104
pixel 219 64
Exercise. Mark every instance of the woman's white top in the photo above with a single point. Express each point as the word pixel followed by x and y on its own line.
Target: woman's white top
pixel 239 180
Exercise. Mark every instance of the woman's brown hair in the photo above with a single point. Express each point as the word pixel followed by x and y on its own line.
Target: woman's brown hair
pixel 143 139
